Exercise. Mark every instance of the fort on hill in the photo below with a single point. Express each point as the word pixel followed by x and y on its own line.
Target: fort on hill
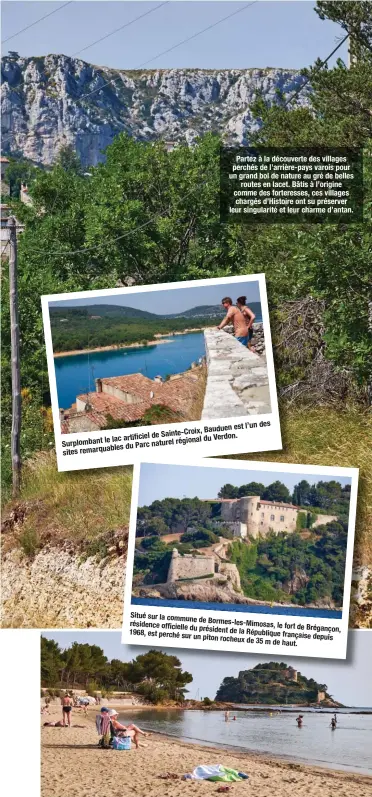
pixel 250 516
pixel 274 683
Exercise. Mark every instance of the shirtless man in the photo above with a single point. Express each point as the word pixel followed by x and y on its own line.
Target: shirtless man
pixel 235 316
pixel 66 703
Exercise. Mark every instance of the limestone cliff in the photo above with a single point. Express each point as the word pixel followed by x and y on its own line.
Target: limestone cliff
pixel 52 101
pixel 58 589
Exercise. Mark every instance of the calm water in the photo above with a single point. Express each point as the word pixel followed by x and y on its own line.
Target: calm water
pixel 348 747
pixel 75 374
pixel 295 611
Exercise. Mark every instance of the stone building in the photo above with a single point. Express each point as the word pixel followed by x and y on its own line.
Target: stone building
pixel 127 398
pixel 190 566
pixel 252 516
pixel 211 568
pixel 291 674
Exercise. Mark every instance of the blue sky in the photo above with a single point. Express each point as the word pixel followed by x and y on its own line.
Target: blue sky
pixel 277 33
pixel 348 681
pixel 174 301
pixel 179 481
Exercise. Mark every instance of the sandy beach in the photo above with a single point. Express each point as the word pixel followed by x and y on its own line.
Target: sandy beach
pixel 73 766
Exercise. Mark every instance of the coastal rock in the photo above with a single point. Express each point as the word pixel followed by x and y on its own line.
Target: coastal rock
pixel 52 101
pixel 58 589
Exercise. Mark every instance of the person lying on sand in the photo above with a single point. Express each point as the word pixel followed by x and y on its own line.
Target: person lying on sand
pixel 130 730
pixel 59 724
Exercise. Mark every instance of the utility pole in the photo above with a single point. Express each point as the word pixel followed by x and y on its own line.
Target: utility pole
pixel 15 359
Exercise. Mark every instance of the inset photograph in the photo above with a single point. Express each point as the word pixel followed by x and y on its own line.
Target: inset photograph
pixel 239 544
pixel 186 357
pixel 173 719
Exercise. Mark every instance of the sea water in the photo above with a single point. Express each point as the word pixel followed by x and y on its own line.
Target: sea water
pixel 75 373
pixel 273 732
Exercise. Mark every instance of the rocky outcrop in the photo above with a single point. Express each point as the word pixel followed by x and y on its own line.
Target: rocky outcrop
pixel 207 591
pixel 237 381
pixel 361 598
pixel 53 101
pixel 58 589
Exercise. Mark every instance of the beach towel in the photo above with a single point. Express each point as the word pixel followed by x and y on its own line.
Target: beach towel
pixel 216 772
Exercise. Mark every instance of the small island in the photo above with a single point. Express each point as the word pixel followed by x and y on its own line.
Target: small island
pixel 274 683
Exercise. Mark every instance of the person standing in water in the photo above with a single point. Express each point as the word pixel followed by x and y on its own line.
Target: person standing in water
pixel 248 315
pixel 333 723
pixel 299 720
pixel 227 716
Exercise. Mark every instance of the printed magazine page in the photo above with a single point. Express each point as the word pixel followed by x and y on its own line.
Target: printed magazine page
pixel 186 374
pixel 168 368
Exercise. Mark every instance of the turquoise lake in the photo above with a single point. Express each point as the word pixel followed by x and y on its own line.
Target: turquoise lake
pixel 75 374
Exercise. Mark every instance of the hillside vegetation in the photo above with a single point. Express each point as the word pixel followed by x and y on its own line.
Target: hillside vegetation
pixel 85 328
pixel 82 509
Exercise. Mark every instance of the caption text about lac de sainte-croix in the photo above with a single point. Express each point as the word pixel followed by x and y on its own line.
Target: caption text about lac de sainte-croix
pixel 167 437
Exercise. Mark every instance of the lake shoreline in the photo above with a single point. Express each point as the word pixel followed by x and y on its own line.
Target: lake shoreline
pixel 117 347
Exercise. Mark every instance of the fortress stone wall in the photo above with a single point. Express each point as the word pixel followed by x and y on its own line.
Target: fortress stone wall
pixel 259 517
pixel 189 566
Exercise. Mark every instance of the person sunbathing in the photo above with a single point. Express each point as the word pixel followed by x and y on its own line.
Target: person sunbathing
pixel 125 730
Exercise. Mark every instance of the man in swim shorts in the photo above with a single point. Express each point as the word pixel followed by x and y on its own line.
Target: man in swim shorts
pixel 235 317
pixel 66 702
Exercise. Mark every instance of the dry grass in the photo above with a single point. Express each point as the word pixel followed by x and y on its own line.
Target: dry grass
pixel 75 507
pixel 338 437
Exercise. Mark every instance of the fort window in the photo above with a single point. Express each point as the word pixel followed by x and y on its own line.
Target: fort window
pixel 272 517
pixel 261 522
pixel 282 518
pixel 262 514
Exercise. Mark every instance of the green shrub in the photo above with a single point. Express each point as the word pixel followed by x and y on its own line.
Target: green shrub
pixel 29 542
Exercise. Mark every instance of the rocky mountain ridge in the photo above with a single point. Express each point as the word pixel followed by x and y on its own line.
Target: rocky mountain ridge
pixel 53 101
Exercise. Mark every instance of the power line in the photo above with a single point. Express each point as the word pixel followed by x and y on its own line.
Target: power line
pixel 127 25
pixel 194 35
pixel 317 68
pixel 36 22
pixel 174 47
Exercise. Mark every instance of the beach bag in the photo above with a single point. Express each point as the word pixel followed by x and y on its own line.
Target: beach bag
pixel 121 743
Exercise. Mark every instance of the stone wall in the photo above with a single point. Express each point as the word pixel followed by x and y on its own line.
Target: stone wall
pixel 322 519
pixel 237 381
pixel 189 566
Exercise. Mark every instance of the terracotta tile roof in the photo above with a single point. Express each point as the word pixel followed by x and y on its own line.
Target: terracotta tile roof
pixel 134 383
pixel 102 405
pixel 177 394
pixel 4 160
